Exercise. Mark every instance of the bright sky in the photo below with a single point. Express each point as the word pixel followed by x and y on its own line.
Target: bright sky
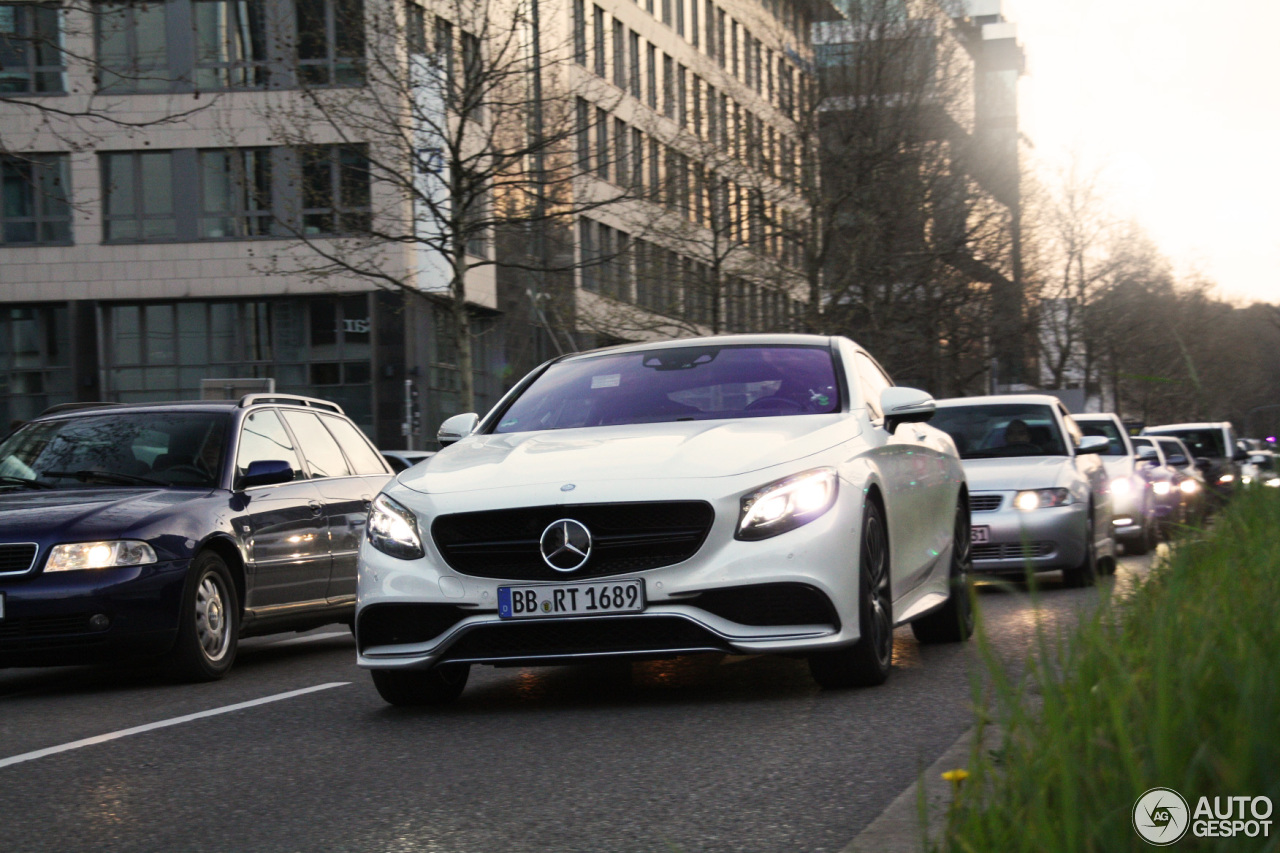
pixel 1179 103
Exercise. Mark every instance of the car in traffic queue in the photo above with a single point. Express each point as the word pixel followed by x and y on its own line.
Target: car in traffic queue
pixel 401 460
pixel 1191 480
pixel 1038 487
pixel 1260 468
pixel 1216 443
pixel 1173 505
pixel 749 494
pixel 167 531
pixel 1134 517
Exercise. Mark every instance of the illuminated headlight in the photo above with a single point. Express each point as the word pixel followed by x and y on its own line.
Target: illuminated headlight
pixel 99 555
pixel 1246 479
pixel 787 504
pixel 1161 487
pixel 1227 478
pixel 1274 482
pixel 1040 498
pixel 1121 487
pixel 1189 487
pixel 393 530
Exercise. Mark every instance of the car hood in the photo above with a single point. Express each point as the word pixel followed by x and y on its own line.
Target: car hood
pixel 84 511
pixel 640 452
pixel 1022 472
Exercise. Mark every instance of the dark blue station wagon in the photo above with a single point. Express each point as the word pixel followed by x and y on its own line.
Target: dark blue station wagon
pixel 172 530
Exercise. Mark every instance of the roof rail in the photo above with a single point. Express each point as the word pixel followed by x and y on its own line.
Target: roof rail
pixel 71 407
pixel 289 399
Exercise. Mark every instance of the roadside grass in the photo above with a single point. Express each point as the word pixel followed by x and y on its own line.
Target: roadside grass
pixel 1176 684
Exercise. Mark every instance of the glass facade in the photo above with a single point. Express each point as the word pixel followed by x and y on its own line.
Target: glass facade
pixel 35 361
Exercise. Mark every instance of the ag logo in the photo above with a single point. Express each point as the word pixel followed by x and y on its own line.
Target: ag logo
pixel 1161 816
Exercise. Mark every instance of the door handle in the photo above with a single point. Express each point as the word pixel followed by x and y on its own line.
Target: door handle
pixel 316 507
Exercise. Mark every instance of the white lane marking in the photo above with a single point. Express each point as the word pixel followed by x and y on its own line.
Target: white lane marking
pixel 90 741
pixel 310 638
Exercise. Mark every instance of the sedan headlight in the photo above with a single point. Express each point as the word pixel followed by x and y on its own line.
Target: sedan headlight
pixel 1041 498
pixel 393 530
pixel 1227 478
pixel 1121 487
pixel 1161 487
pixel 99 555
pixel 1189 487
pixel 787 504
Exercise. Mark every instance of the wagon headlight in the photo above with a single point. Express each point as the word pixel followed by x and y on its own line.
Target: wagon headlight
pixel 393 530
pixel 1041 498
pixel 99 555
pixel 1189 487
pixel 1161 487
pixel 787 504
pixel 1121 487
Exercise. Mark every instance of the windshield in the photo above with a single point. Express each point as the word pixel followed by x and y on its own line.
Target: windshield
pixel 1202 442
pixel 1109 431
pixel 684 384
pixel 162 448
pixel 1000 430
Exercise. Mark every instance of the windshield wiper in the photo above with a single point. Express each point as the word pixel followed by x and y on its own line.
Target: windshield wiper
pixel 23 481
pixel 105 477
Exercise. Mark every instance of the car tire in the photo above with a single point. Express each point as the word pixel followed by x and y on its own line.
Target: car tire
pixel 1085 574
pixel 953 622
pixel 415 688
pixel 866 663
pixel 208 622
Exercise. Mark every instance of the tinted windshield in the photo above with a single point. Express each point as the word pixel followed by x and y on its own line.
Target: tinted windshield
pixel 171 448
pixel 998 430
pixel 685 384
pixel 1201 442
pixel 1109 431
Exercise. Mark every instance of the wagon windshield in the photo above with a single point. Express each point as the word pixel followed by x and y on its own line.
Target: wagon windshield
pixel 1001 430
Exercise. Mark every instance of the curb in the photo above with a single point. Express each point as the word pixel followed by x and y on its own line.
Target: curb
pixel 898 829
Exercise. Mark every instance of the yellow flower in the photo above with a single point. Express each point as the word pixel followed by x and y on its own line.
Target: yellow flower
pixel 956 776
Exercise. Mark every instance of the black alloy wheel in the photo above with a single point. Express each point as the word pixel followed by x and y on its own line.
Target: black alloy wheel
pixel 867 662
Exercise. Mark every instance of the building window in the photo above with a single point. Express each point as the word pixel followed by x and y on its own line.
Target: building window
pixel 415 25
pixel 580 32
pixel 335 189
pixel 652 70
pixel 598 32
pixel 444 52
pixel 619 55
pixel 621 160
pixel 669 86
pixel 584 136
pixel 235 193
pixel 589 257
pixel 138 187
pixel 35 363
pixel 30 50
pixel 471 100
pixel 679 17
pixel 230 44
pixel 694 30
pixel 634 69
pixel 602 144
pixel 133 52
pixel 330 42
pixel 34 200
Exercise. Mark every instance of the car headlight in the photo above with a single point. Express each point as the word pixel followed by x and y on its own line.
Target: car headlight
pixel 74 556
pixel 787 504
pixel 1121 487
pixel 1189 487
pixel 1274 482
pixel 1227 478
pixel 1041 498
pixel 393 530
pixel 1161 487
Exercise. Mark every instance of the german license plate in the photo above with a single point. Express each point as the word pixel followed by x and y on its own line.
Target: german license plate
pixel 980 534
pixel 578 599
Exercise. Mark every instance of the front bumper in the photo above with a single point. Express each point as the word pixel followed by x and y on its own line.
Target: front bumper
pixel 446 616
pixel 49 619
pixel 1038 540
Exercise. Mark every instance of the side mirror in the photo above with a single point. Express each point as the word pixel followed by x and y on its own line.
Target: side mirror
pixel 1203 464
pixel 1093 444
pixel 1147 454
pixel 1177 460
pixel 456 428
pixel 905 406
pixel 265 472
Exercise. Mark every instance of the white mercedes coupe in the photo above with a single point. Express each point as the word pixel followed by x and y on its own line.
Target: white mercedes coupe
pixel 741 495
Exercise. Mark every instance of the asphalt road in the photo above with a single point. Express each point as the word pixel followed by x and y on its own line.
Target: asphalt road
pixel 696 754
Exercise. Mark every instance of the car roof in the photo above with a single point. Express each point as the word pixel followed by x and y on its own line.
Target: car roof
pixel 1202 425
pixel 996 399
pixel 73 410
pixel 783 339
pixel 1097 416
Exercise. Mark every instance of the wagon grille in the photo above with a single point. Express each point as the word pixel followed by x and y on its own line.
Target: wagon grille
pixel 626 537
pixel 1012 550
pixel 17 558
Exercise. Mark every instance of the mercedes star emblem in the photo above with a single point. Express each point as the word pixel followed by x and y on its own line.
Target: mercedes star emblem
pixel 565 545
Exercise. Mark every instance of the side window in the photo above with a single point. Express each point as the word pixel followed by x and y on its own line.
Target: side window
pixel 322 453
pixel 872 381
pixel 1073 428
pixel 262 438
pixel 363 457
